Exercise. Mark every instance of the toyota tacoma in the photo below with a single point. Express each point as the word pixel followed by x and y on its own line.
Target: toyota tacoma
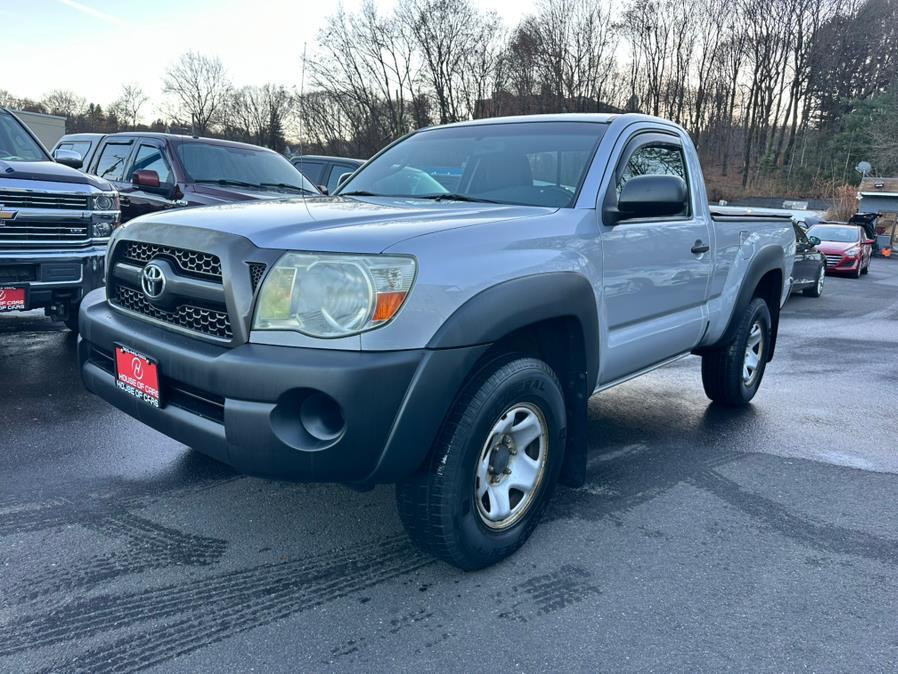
pixel 441 321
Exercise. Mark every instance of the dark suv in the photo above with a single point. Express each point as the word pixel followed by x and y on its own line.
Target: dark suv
pixel 54 226
pixel 157 171
pixel 325 172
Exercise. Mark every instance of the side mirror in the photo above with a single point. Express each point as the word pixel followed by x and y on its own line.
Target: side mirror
pixel 651 197
pixel 814 240
pixel 145 178
pixel 68 158
pixel 322 188
pixel 343 178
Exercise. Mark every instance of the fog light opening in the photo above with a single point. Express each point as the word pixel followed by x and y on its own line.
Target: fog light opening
pixel 321 417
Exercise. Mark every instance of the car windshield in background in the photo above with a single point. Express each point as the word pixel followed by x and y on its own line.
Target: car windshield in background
pixel 837 234
pixel 15 143
pixel 530 164
pixel 240 166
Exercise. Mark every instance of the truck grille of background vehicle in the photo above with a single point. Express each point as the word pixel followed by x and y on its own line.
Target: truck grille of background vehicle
pixel 16 199
pixel 190 317
pixel 203 265
pixel 256 272
pixel 36 233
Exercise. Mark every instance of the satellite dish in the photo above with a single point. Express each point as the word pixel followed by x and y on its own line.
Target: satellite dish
pixel 863 168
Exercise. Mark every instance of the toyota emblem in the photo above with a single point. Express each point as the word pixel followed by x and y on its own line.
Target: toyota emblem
pixel 152 281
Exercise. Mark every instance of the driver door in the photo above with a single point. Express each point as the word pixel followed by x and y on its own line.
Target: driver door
pixel 656 270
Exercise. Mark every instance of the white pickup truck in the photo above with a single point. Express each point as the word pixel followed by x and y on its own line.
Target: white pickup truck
pixel 441 321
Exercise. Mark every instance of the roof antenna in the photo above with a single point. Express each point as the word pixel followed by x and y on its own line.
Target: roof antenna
pixel 302 115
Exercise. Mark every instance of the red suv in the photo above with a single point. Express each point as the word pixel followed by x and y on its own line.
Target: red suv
pixel 846 247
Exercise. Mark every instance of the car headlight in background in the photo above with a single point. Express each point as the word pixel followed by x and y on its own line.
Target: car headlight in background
pixel 106 202
pixel 326 295
pixel 853 252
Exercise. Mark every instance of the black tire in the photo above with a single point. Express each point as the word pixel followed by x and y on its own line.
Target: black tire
pixel 816 290
pixel 71 322
pixel 722 368
pixel 438 506
pixel 857 273
pixel 866 270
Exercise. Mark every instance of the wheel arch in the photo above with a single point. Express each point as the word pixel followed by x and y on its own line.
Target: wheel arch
pixel 553 317
pixel 764 278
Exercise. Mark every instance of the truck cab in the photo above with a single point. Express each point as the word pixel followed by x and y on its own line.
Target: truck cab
pixel 55 223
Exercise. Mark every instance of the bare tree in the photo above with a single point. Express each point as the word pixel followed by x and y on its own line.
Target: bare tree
pixel 64 102
pixel 199 88
pixel 127 106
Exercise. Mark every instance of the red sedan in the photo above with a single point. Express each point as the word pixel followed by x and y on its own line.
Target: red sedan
pixel 846 247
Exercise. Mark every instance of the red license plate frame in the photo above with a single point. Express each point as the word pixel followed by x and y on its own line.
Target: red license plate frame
pixel 13 298
pixel 137 375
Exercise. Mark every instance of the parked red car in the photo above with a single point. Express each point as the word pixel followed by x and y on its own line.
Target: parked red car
pixel 846 247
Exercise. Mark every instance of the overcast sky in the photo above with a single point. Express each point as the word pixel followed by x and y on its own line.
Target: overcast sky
pixel 94 46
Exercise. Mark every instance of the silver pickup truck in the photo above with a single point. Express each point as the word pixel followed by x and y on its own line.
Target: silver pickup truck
pixel 442 320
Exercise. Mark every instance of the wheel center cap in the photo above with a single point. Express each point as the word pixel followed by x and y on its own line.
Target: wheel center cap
pixel 500 455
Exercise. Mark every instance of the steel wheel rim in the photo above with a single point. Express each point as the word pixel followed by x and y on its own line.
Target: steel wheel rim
pixel 754 350
pixel 511 466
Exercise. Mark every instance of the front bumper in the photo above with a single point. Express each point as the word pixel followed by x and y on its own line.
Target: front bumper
pixel 284 412
pixel 54 276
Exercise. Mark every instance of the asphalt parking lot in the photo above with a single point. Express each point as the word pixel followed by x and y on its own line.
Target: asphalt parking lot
pixel 705 539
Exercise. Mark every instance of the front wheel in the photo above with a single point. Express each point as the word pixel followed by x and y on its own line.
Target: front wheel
pixel 866 269
pixel 481 492
pixel 816 290
pixel 731 374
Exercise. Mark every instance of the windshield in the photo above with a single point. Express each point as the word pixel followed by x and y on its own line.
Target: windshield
pixel 15 143
pixel 241 166
pixel 844 234
pixel 530 163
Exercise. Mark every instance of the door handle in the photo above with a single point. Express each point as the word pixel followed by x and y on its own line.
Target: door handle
pixel 700 247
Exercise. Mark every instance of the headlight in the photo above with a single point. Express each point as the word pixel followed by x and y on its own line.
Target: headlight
pixel 106 202
pixel 325 295
pixel 851 252
pixel 100 230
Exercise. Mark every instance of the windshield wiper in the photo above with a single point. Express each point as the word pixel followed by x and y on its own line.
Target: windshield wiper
pixel 358 193
pixel 285 186
pixel 453 196
pixel 222 181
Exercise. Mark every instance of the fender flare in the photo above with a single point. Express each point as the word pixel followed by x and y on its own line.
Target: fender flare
pixel 768 259
pixel 500 310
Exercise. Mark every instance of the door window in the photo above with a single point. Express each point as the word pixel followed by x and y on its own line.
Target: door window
pixel 653 160
pixel 150 158
pixel 111 164
pixel 312 170
pixel 337 171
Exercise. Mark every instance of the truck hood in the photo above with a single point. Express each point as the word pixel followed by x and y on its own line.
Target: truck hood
pixel 336 224
pixel 50 171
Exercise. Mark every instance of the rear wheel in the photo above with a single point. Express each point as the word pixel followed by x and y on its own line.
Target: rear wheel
pixel 731 374
pixel 816 290
pixel 482 490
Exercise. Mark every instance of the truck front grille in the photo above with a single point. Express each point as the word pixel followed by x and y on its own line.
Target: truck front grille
pixel 41 232
pixel 26 199
pixel 204 265
pixel 204 320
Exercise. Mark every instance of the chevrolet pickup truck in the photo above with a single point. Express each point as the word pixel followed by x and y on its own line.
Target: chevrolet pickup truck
pixel 441 321
pixel 54 226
